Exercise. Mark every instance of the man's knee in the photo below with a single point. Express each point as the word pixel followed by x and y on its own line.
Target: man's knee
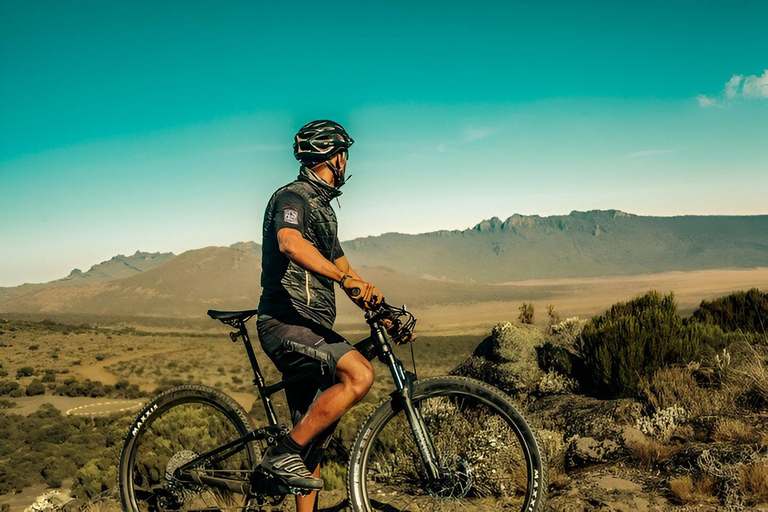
pixel 356 372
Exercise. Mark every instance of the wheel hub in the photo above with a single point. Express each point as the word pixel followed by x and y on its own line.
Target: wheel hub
pixel 456 478
pixel 171 482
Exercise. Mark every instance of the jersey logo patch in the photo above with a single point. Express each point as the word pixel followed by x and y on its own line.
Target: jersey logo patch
pixel 291 216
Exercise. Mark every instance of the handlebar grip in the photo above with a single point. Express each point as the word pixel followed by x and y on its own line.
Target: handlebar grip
pixel 354 292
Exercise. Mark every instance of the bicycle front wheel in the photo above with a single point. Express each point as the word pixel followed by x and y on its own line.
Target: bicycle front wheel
pixel 488 456
pixel 173 430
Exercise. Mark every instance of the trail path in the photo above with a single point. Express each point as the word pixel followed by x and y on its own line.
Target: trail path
pixel 78 405
pixel 98 371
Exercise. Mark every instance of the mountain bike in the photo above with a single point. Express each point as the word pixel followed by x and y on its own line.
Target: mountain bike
pixel 445 443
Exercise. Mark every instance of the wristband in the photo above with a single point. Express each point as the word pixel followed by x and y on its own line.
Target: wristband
pixel 341 282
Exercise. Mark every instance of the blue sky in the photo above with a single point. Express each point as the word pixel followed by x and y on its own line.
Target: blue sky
pixel 166 126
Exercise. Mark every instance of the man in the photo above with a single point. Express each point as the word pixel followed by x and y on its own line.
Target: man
pixel 301 261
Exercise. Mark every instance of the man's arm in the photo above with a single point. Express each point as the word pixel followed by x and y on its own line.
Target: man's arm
pixel 372 294
pixel 343 265
pixel 300 251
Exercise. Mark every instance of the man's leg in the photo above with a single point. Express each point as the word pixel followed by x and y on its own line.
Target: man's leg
pixel 356 376
pixel 309 503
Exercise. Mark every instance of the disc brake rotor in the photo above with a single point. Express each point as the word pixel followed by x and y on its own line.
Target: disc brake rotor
pixel 456 478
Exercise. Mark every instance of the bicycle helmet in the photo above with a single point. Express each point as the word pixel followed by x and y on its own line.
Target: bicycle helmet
pixel 319 141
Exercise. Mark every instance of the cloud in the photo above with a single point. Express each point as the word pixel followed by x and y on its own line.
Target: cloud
pixel 736 89
pixel 650 152
pixel 471 134
pixel 756 86
pixel 732 86
pixel 706 101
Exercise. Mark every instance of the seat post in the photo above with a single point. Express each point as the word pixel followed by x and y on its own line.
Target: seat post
pixel 258 379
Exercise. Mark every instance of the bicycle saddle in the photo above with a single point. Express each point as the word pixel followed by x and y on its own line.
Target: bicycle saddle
pixel 229 316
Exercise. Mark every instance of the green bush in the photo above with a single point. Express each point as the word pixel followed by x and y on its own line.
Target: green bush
pixel 738 312
pixel 48 447
pixel 35 388
pixel 8 386
pixel 25 371
pixel 631 341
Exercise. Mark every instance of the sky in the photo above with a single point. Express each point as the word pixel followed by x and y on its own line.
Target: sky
pixel 166 126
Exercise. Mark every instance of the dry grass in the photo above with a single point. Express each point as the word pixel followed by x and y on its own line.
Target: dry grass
pixel 754 482
pixel 105 505
pixel 676 387
pixel 730 430
pixel 650 452
pixel 682 488
pixel 750 376
pixel 687 491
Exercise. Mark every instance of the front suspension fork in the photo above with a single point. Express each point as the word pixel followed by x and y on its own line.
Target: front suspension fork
pixel 402 399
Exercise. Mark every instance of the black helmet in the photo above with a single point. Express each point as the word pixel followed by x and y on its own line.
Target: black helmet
pixel 319 141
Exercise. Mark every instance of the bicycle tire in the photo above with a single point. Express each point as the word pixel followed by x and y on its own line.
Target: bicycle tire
pixel 385 470
pixel 172 429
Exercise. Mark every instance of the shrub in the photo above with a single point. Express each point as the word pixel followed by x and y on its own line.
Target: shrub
pixel 526 313
pixel 7 404
pixel 35 388
pixel 682 488
pixel 686 490
pixel 662 423
pixel 7 387
pixel 731 430
pixel 677 387
pixel 334 475
pixel 25 371
pixel 649 452
pixel 754 482
pixel 738 312
pixel 631 341
pixel 33 347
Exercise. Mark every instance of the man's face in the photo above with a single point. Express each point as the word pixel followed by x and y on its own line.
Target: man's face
pixel 340 161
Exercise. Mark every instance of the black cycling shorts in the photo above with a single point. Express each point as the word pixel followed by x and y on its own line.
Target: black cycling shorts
pixel 302 347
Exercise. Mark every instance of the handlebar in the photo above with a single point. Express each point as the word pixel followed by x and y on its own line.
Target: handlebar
pixel 399 324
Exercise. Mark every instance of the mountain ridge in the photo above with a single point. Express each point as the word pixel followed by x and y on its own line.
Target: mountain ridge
pixel 434 268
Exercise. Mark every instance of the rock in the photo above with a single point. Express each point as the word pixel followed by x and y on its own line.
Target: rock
pixel 506 359
pixel 583 451
pixel 578 415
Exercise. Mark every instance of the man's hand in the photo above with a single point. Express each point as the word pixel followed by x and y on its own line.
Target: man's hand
pixel 365 295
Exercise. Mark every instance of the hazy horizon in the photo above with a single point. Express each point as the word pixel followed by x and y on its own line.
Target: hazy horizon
pixel 132 133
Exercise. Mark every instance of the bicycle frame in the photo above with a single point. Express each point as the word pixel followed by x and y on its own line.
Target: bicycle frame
pixel 381 343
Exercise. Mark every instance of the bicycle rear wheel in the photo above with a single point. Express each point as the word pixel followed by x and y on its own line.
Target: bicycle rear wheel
pixel 173 430
pixel 489 457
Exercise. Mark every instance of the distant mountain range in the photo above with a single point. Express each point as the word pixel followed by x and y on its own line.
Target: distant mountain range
pixel 440 267
pixel 582 244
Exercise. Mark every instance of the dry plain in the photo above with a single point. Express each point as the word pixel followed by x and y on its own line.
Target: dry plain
pixel 152 352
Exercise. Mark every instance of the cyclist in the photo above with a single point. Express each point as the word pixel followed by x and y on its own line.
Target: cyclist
pixel 301 261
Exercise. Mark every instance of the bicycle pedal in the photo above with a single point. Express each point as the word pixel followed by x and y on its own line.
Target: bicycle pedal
pixel 298 491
